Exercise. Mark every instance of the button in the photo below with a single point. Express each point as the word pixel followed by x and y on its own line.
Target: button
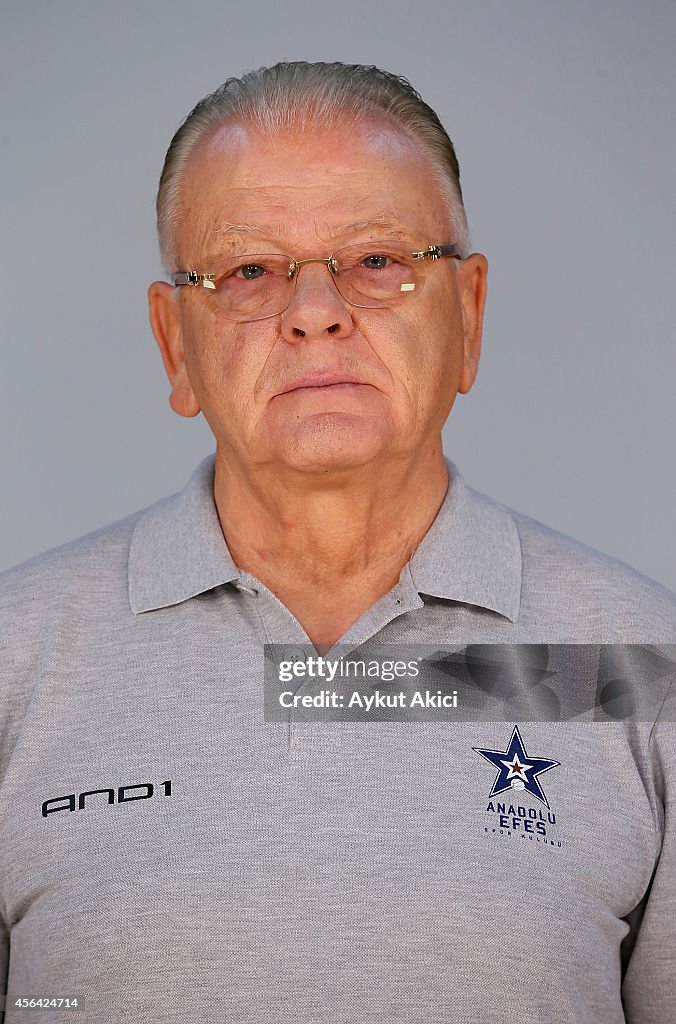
pixel 294 654
pixel 247 590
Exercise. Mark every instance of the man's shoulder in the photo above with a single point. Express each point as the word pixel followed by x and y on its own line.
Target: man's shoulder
pixel 579 581
pixel 554 551
pixel 95 557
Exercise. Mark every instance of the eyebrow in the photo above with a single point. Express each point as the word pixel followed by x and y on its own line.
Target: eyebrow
pixel 384 221
pixel 236 229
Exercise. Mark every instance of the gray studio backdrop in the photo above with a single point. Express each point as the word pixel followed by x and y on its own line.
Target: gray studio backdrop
pixel 562 114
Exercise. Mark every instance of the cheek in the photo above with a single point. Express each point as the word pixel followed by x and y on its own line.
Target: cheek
pixel 229 358
pixel 420 346
pixel 444 331
pixel 438 358
pixel 390 335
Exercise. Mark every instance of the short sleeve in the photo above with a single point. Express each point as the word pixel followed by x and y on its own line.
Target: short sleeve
pixel 649 986
pixel 4 964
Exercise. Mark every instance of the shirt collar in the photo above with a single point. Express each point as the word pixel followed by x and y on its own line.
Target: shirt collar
pixel 177 548
pixel 470 554
pixel 472 551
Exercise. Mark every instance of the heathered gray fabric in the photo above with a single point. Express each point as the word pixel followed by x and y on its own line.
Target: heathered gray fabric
pixel 325 873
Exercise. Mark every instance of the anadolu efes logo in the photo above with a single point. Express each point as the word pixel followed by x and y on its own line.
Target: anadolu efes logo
pixel 519 772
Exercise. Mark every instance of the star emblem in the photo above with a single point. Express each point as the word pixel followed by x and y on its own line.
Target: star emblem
pixel 514 764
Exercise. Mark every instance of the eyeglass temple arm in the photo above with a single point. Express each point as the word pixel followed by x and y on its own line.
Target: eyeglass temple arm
pixel 433 252
pixel 194 278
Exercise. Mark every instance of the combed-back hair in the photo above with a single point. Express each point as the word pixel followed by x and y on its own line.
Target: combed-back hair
pixel 310 96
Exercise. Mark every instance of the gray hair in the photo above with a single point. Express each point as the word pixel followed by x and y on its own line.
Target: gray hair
pixel 313 96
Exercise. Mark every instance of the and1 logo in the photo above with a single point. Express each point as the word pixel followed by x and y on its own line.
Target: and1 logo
pixel 518 772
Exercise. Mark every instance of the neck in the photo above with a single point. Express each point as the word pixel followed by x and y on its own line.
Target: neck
pixel 329 531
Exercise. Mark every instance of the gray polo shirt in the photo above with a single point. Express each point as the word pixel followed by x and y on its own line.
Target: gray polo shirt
pixel 228 869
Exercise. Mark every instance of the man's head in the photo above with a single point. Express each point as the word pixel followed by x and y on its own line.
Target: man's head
pixel 304 160
pixel 308 97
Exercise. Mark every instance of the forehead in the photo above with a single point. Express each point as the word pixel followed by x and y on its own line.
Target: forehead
pixel 306 187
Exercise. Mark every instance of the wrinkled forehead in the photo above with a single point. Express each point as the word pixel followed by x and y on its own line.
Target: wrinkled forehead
pixel 299 185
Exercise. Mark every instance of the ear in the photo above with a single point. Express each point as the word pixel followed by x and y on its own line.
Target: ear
pixel 472 277
pixel 165 320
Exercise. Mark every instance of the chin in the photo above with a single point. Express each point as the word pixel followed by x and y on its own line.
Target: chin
pixel 331 442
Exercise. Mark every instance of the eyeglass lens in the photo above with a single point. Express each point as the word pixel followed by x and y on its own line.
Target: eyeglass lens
pixel 256 286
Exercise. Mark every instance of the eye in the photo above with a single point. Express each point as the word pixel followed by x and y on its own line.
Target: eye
pixel 250 271
pixel 375 262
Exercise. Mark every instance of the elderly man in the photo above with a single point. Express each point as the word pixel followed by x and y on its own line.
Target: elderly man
pixel 166 852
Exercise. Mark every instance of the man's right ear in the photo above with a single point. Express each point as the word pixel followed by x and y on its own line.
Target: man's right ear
pixel 165 320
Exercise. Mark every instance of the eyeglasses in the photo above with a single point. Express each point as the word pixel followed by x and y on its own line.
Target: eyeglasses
pixel 373 275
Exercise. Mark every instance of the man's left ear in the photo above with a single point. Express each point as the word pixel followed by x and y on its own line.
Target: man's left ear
pixel 472 279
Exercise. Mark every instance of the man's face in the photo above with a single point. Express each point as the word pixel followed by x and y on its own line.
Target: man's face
pixel 307 195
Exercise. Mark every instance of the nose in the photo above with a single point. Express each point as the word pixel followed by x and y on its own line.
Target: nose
pixel 316 306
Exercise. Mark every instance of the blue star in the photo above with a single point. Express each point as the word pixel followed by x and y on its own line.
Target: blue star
pixel 514 765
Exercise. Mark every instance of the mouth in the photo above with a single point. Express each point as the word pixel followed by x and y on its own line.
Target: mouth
pixel 323 381
pixel 310 389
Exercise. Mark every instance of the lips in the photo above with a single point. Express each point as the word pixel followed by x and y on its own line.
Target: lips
pixel 319 379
